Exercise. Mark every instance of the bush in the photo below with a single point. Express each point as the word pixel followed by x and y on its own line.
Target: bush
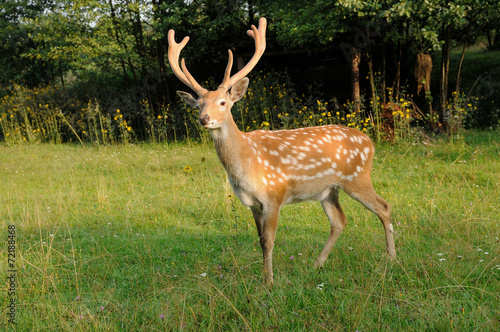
pixel 55 114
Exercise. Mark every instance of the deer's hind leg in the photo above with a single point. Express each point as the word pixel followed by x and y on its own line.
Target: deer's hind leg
pixel 363 192
pixel 331 206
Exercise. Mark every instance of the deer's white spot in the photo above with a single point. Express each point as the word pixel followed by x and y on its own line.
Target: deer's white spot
pixel 264 180
pixel 359 169
pixel 266 163
pixel 366 150
pixel 337 156
pixel 334 165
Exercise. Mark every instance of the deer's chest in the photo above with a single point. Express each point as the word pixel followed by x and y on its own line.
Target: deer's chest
pixel 244 192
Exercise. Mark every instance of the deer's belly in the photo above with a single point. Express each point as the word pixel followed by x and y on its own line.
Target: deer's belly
pixel 308 196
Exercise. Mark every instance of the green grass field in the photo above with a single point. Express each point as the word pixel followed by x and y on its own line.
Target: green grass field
pixel 146 238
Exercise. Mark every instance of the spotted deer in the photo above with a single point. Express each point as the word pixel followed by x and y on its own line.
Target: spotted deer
pixel 268 169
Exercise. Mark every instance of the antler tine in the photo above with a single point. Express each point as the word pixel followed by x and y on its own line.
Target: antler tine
pixel 260 46
pixel 229 66
pixel 174 50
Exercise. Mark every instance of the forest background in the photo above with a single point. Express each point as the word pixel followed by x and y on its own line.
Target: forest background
pixel 97 71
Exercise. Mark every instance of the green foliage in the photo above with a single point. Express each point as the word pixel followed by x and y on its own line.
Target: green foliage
pixel 51 114
pixel 119 48
pixel 144 237
pixel 48 114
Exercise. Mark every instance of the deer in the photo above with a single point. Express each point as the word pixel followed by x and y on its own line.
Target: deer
pixel 268 169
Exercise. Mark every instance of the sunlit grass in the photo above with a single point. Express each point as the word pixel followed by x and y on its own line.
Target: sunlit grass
pixel 145 237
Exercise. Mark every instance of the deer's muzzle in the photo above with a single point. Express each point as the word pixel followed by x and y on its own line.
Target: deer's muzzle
pixel 204 119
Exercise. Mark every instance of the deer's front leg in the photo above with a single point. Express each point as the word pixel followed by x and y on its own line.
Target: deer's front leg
pixel 266 220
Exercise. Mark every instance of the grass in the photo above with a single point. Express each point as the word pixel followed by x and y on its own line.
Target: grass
pixel 145 237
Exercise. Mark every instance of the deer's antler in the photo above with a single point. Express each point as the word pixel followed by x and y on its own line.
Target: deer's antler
pixel 260 46
pixel 174 50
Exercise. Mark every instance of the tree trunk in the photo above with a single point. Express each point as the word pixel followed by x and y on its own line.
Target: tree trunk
pixel 383 79
pixel 459 71
pixel 135 17
pixel 251 12
pixel 423 70
pixel 356 94
pixel 397 80
pixel 61 73
pixel 443 86
pixel 371 74
pixel 118 40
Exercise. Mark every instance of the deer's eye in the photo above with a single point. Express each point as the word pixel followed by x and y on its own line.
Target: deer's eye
pixel 223 103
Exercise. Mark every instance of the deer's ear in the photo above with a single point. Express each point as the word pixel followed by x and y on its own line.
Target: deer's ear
pixel 188 98
pixel 239 89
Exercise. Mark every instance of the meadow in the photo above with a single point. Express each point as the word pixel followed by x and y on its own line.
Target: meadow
pixel 146 237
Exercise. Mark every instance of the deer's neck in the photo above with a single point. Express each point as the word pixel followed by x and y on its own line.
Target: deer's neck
pixel 232 149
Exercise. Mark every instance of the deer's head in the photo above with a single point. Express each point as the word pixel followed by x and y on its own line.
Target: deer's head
pixel 215 106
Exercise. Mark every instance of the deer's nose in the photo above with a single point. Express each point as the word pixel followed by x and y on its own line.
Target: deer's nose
pixel 204 119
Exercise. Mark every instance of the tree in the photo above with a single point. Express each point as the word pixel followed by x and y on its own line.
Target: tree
pixel 15 41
